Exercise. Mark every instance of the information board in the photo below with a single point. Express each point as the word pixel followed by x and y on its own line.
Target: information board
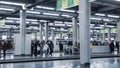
pixel 2 22
pixel 63 4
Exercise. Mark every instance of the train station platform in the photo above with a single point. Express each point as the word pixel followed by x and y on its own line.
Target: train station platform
pixel 55 57
pixel 95 63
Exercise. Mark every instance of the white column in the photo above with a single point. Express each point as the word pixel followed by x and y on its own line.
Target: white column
pixel 118 31
pixel 84 20
pixel 78 34
pixel 109 38
pixel 60 35
pixel 35 35
pixel 41 30
pixel 23 30
pixel 74 27
pixel 46 31
pixel 52 34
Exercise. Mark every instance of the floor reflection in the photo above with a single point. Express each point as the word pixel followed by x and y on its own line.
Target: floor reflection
pixel 95 63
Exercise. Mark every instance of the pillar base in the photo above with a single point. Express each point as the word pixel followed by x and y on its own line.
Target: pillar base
pixel 22 54
pixel 86 64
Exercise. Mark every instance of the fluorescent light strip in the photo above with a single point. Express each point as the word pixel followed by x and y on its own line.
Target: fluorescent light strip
pixel 33 12
pixel 49 8
pixel 96 18
pixel 38 6
pixel 12 3
pixel 11 21
pixel 51 14
pixel 107 20
pixel 99 14
pixel 66 15
pixel 42 7
pixel 19 19
pixel 117 0
pixel 31 20
pixel 68 11
pixel 114 16
pixel 13 18
pixel 6 9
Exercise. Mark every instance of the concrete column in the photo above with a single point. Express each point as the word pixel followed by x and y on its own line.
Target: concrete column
pixel 96 36
pixel 74 27
pixel 23 30
pixel 9 33
pixel 46 31
pixel 84 20
pixel 35 35
pixel 60 35
pixel 118 31
pixel 109 38
pixel 78 34
pixel 1 35
pixel 41 30
pixel 52 34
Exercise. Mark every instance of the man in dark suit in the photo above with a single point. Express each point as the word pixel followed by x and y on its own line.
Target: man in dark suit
pixel 111 47
pixel 117 46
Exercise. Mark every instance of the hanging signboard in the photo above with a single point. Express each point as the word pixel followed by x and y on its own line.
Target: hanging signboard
pixel 63 4
pixel 114 30
pixel 103 31
pixel 2 22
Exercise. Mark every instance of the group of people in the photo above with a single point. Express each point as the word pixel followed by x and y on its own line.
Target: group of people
pixel 114 46
pixel 4 46
pixel 40 48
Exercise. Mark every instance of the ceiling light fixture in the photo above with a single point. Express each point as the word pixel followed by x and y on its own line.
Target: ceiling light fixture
pixel 117 0
pixel 68 11
pixel 96 18
pixel 12 3
pixel 51 14
pixel 42 7
pixel 66 16
pixel 33 12
pixel 6 9
pixel 100 14
pixel 114 16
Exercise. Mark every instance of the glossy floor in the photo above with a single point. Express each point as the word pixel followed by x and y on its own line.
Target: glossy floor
pixel 95 63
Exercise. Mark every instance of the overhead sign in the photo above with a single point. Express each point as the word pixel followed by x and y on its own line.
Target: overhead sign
pixel 2 22
pixel 63 4
pixel 114 30
pixel 103 31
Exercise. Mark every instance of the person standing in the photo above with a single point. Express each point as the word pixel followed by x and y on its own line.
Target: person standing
pixel 4 49
pixel 0 48
pixel 117 46
pixel 45 49
pixel 51 47
pixel 35 48
pixel 60 47
pixel 111 46
pixel 32 48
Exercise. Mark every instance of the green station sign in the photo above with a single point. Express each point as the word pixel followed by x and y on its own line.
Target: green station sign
pixel 63 4
pixel 113 30
pixel 2 22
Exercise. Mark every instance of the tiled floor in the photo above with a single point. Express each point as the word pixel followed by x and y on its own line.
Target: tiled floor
pixel 95 63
